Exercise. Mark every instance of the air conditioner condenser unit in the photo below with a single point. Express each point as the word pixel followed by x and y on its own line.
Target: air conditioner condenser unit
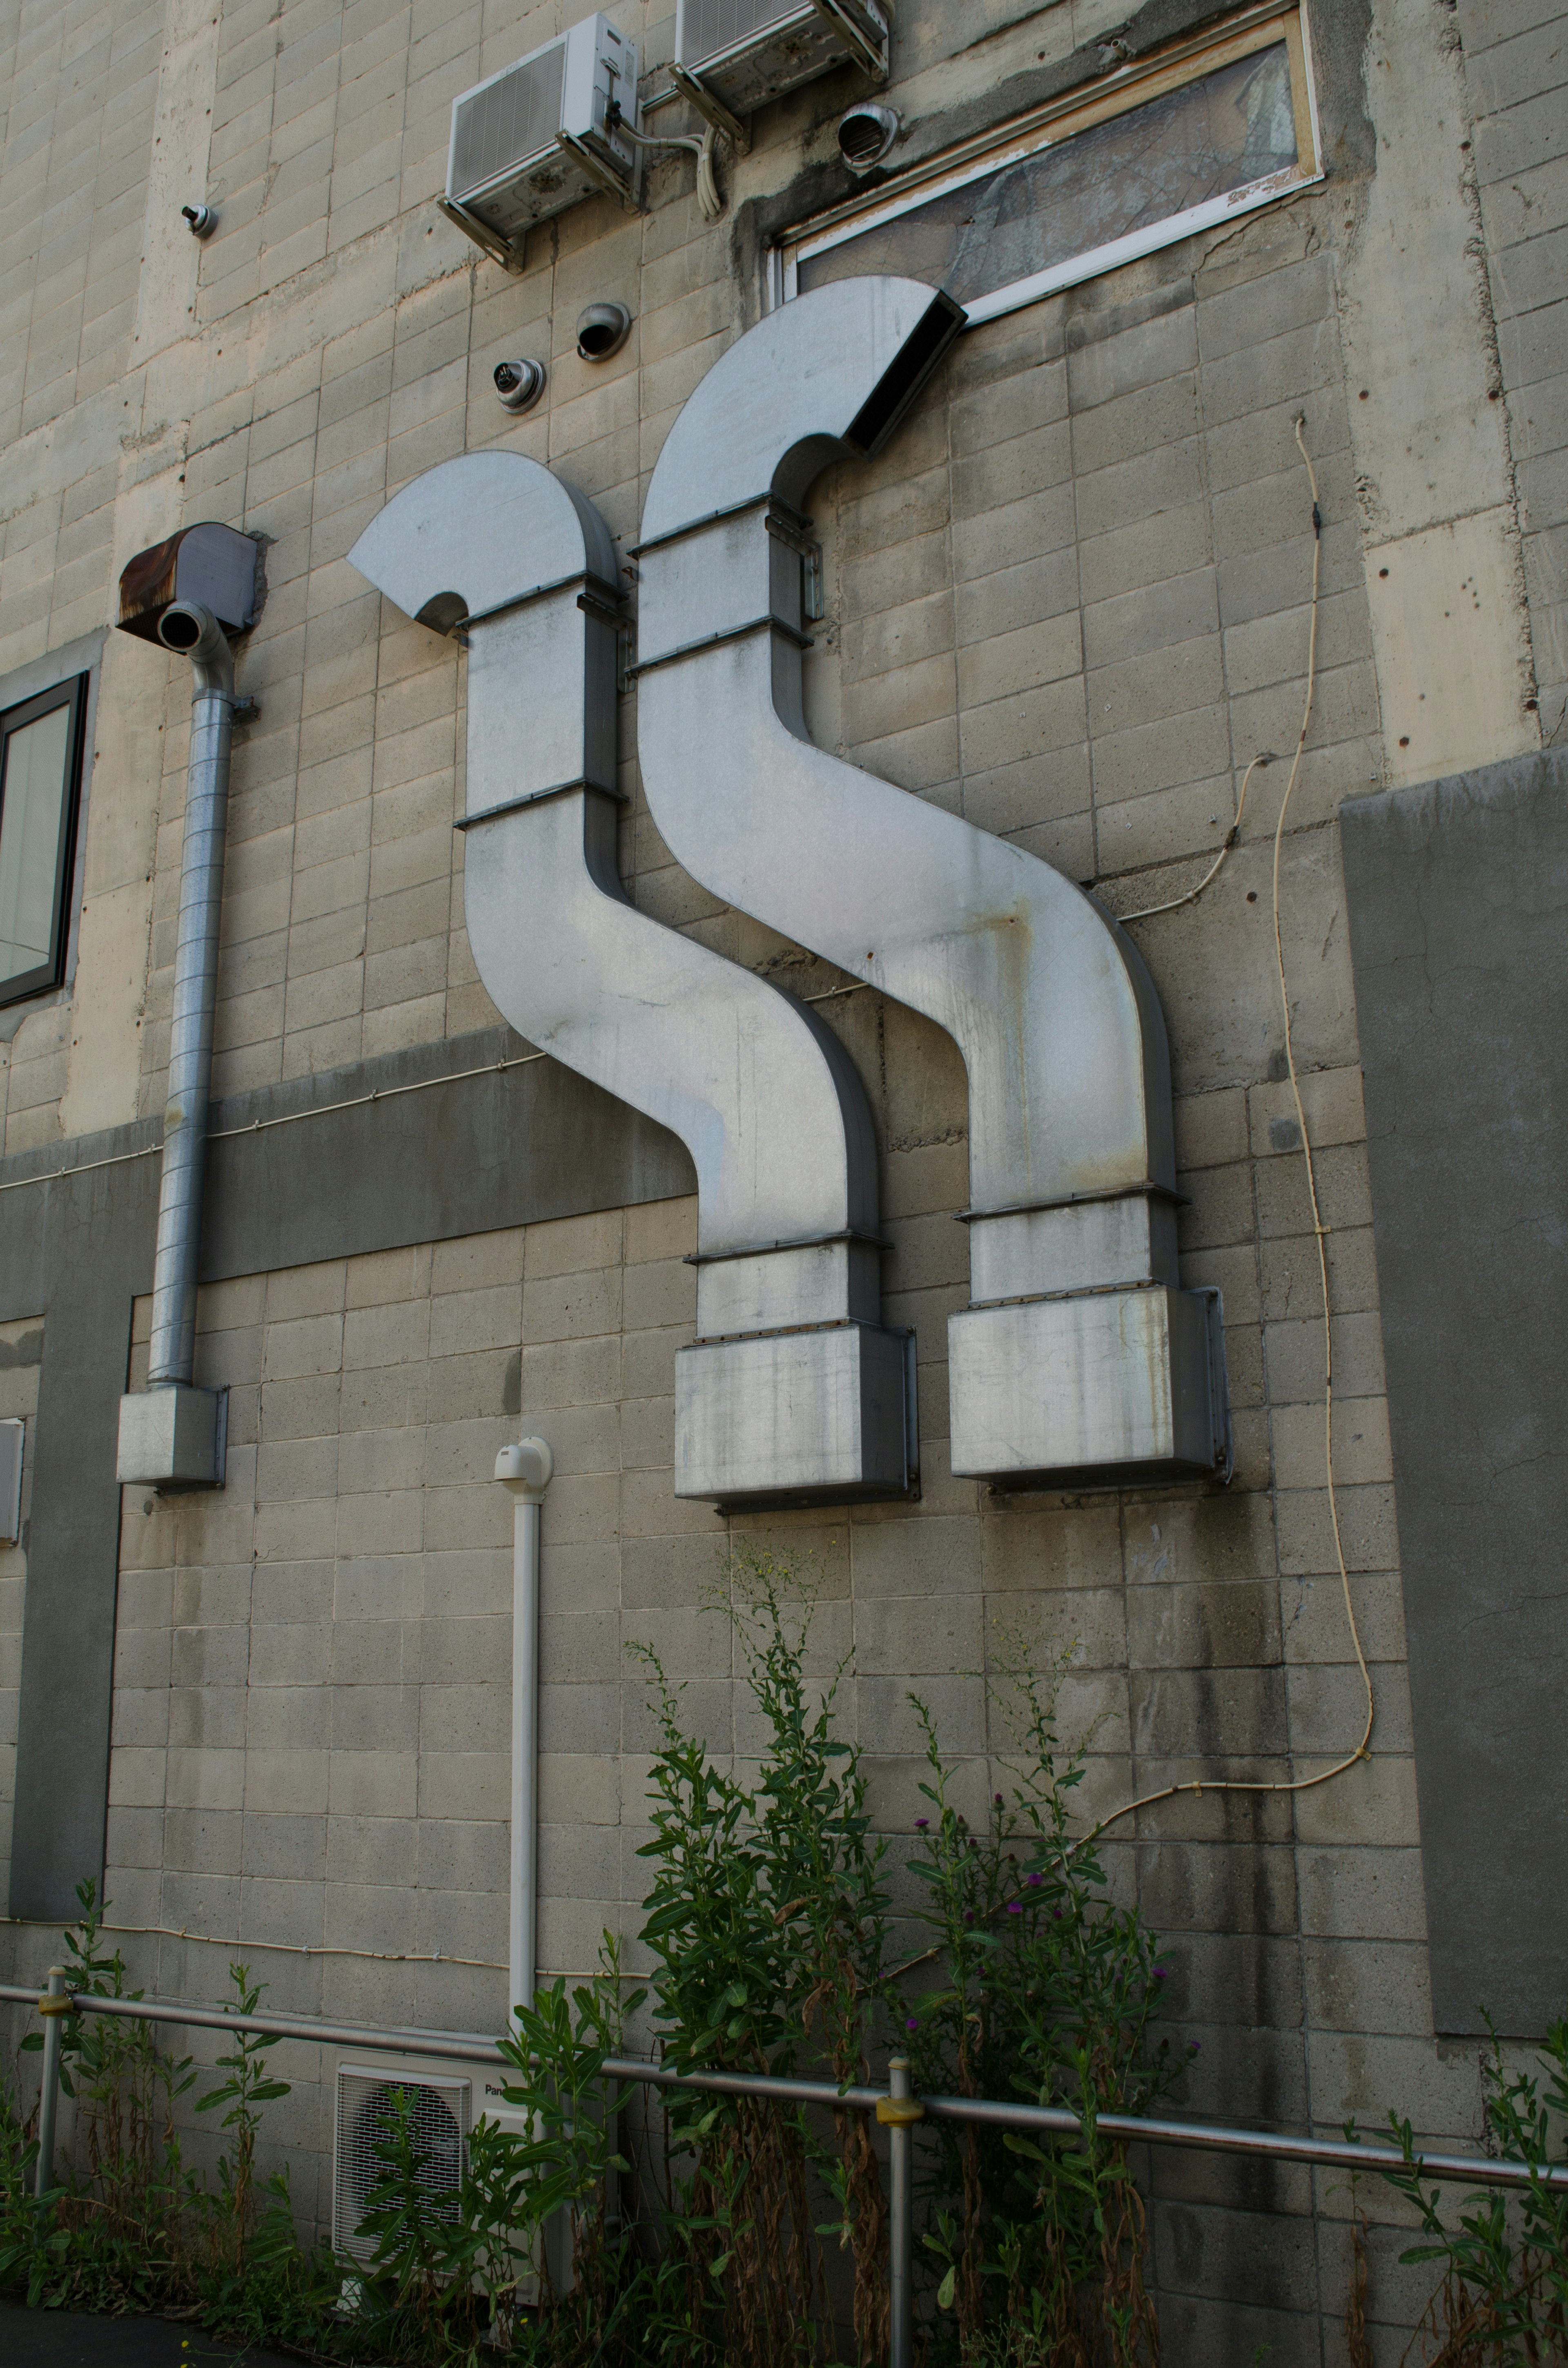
pixel 741 54
pixel 542 135
pixel 441 2111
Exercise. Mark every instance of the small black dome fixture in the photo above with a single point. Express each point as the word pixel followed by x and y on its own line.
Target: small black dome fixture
pixel 519 384
pixel 203 219
pixel 867 134
pixel 602 330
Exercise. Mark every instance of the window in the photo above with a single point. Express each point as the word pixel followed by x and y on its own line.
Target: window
pixel 40 762
pixel 1153 153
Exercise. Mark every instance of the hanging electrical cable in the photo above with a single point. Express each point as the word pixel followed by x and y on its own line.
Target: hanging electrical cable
pixel 1320 1236
pixel 710 200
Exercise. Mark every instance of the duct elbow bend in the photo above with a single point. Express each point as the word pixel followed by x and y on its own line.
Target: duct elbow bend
pixel 194 633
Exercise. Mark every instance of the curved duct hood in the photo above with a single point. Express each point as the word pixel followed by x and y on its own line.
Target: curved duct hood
pixel 1078 1358
pixel 793 1391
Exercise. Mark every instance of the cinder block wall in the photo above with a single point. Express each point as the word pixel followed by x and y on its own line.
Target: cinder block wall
pixel 1071 602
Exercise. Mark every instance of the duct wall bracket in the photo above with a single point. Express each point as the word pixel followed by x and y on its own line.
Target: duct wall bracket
pixel 1101 1389
pixel 173 1437
pixel 812 1417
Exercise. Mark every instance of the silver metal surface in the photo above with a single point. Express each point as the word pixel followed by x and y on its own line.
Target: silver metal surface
pixel 1049 1004
pixel 1053 2121
pixel 757 1087
pixel 901 2215
pixel 173 1353
pixel 1110 1381
pixel 525 1471
pixel 13 1436
pixel 173 1436
pixel 808 1415
pixel 48 2086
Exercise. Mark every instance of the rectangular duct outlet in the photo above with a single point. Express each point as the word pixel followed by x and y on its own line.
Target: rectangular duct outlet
pixel 440 2118
pixel 808 1418
pixel 12 1435
pixel 1105 1389
pixel 173 1436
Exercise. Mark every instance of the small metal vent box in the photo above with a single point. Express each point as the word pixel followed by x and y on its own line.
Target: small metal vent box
pixel 545 133
pixel 441 2115
pixel 747 51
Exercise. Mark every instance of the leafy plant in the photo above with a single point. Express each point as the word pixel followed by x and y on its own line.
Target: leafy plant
pixel 1503 2299
pixel 1047 1991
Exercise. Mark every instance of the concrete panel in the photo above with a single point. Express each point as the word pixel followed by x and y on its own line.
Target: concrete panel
pixel 1458 893
pixel 497 1147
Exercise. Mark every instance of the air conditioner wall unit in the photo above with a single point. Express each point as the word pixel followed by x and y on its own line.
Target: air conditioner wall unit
pixel 443 2109
pixel 744 52
pixel 543 134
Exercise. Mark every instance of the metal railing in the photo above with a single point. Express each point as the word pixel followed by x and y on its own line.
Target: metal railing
pixel 896 2109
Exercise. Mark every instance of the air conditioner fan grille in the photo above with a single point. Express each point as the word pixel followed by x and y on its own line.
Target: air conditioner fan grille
pixel 365 2113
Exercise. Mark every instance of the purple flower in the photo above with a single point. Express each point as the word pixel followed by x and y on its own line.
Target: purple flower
pixel 996 1798
pixel 1035 1880
pixel 1057 1913
pixel 921 1824
pixel 1159 1973
pixel 912 2022
pixel 1195 2047
pixel 968 1915
pixel 1015 1907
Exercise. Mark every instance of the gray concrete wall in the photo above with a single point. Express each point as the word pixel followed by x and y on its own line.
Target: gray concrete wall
pixel 1456 895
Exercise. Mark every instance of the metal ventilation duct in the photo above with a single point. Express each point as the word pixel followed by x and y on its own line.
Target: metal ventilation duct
pixel 792 1389
pixel 1078 1354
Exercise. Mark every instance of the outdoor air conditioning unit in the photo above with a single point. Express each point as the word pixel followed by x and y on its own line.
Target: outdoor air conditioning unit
pixel 737 54
pixel 542 135
pixel 441 2096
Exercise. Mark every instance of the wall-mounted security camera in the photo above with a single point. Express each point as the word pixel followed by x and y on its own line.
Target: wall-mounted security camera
pixel 203 219
pixel 602 330
pixel 867 133
pixel 519 384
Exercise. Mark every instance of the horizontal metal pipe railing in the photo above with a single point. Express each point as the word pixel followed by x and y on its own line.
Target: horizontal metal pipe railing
pixel 1052 2121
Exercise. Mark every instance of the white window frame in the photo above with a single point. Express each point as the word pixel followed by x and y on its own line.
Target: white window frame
pixel 1114 94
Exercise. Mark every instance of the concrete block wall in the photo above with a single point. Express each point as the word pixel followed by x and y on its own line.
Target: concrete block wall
pixel 1072 603
pixel 1516 67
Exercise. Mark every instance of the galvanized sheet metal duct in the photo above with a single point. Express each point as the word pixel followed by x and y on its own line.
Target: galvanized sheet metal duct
pixel 1078 1353
pixel 792 1388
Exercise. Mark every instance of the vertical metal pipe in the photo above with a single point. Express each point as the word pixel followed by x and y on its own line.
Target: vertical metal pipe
pixel 901 2201
pixel 195 632
pixel 53 2007
pixel 525 1470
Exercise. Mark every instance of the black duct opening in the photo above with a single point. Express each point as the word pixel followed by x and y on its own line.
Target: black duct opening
pixel 899 386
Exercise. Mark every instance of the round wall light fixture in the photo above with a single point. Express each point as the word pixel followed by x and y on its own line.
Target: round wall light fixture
pixel 203 219
pixel 519 384
pixel 602 330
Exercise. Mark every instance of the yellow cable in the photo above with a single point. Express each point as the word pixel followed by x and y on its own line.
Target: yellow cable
pixel 1320 1233
pixel 1145 912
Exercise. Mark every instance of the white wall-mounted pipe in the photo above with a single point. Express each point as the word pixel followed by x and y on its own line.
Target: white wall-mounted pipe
pixel 793 1385
pixel 524 1471
pixel 1072 1163
pixel 194 633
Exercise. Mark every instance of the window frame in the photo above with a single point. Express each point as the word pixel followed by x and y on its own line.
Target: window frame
pixel 71 693
pixel 1172 68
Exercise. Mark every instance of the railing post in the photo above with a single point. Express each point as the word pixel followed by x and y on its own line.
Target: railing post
pixel 898 2112
pixel 52 2006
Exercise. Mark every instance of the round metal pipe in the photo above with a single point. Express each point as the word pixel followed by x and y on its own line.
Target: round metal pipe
pixel 901 2216
pixel 1056 2121
pixel 525 1471
pixel 50 2007
pixel 194 633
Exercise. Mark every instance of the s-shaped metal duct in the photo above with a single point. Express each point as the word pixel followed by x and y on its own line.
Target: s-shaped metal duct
pixel 1079 1354
pixel 793 1390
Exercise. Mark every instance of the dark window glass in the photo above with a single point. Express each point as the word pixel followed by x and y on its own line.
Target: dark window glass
pixel 1203 142
pixel 40 766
